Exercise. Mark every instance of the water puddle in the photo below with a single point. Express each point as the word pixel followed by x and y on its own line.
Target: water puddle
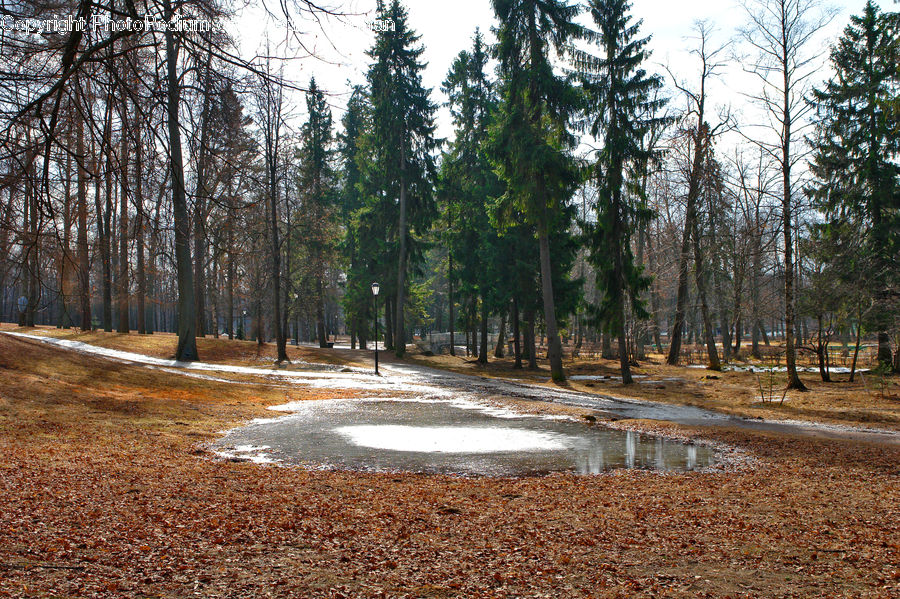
pixel 449 437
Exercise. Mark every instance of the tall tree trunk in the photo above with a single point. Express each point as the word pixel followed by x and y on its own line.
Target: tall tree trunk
pixel 450 302
pixel 84 266
pixel 123 230
pixel 104 216
pixel 320 313
pixel 790 352
pixel 483 350
pixel 187 342
pixel 822 351
pixel 29 229
pixel 501 336
pixel 65 286
pixel 280 341
pixel 400 335
pixel 200 211
pixel 708 334
pixel 554 347
pixel 229 243
pixel 517 340
pixel 139 231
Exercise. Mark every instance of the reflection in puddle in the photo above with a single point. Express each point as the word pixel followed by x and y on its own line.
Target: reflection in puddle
pixel 453 437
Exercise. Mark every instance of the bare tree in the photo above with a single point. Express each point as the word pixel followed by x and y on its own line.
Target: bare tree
pixel 701 136
pixel 781 35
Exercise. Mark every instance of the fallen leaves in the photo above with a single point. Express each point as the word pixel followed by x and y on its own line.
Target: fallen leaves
pixel 105 495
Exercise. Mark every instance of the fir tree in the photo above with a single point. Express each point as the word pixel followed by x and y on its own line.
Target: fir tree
pixel 856 151
pixel 619 95
pixel 318 190
pixel 530 144
pixel 468 185
pixel 399 170
pixel 357 298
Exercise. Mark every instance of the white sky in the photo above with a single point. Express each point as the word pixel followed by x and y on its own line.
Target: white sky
pixel 446 27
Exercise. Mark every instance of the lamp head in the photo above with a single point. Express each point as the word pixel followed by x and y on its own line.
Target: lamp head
pixel 375 288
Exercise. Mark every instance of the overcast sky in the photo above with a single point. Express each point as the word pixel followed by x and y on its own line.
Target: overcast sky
pixel 447 27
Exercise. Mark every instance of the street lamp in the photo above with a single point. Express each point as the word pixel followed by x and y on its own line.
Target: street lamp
pixel 375 289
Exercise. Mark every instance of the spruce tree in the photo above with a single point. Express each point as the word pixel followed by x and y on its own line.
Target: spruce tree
pixel 400 169
pixel 318 188
pixel 856 151
pixel 530 143
pixel 357 297
pixel 468 185
pixel 619 96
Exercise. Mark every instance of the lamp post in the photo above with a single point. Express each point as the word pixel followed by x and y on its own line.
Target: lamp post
pixel 375 289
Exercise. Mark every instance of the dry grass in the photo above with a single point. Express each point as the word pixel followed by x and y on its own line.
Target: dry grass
pixel 106 494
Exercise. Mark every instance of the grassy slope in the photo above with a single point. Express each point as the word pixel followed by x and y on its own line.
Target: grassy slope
pixel 105 493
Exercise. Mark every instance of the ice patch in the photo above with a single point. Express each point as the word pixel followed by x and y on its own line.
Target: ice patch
pixel 451 439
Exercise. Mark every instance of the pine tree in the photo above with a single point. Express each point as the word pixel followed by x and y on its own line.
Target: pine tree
pixel 400 170
pixel 468 184
pixel 318 191
pixel 530 144
pixel 619 95
pixel 856 151
pixel 357 298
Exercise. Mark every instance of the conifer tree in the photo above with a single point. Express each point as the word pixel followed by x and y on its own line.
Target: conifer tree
pixel 619 95
pixel 469 184
pixel 530 143
pixel 400 170
pixel 318 191
pixel 856 151
pixel 357 294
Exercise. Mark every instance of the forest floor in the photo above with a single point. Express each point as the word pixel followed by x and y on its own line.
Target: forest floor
pixel 108 491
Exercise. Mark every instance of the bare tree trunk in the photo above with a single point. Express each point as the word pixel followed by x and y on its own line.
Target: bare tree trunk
pixel 139 232
pixel 65 286
pixel 450 301
pixel 794 381
pixel 200 210
pixel 187 342
pixel 104 216
pixel 501 336
pixel 483 350
pixel 123 230
pixel 320 313
pixel 84 266
pixel 554 347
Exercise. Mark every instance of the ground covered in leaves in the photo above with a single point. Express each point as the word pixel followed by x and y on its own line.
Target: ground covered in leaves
pixel 107 492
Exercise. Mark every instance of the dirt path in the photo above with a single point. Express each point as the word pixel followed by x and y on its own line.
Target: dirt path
pixel 403 378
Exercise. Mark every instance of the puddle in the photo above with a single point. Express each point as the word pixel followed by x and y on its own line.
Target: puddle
pixel 450 437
